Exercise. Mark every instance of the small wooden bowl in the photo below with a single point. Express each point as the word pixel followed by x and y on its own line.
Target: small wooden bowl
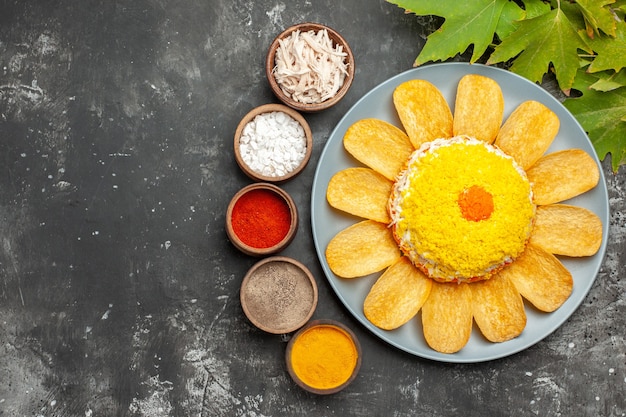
pixel 268 108
pixel 262 251
pixel 278 295
pixel 347 342
pixel 313 107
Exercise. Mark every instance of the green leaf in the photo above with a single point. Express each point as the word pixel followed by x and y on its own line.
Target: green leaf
pixel 603 116
pixel 619 5
pixel 611 51
pixel 547 39
pixel 572 11
pixel 608 81
pixel 474 23
pixel 535 8
pixel 509 18
pixel 597 16
pixel 512 14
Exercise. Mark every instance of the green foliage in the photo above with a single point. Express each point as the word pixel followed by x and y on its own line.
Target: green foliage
pixel 611 51
pixel 603 115
pixel 473 24
pixel 538 42
pixel 583 42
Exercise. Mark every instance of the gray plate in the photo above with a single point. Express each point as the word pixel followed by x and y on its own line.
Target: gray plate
pixel 326 221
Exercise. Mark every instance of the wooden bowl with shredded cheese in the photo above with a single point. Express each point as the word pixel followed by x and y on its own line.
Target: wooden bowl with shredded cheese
pixel 310 67
pixel 273 143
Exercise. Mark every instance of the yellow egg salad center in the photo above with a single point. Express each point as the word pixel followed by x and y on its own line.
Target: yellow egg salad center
pixel 462 209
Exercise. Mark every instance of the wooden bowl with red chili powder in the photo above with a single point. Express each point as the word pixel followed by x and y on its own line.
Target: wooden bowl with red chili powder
pixel 293 71
pixel 323 357
pixel 261 219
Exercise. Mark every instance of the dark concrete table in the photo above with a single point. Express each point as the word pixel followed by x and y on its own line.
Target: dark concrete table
pixel 118 286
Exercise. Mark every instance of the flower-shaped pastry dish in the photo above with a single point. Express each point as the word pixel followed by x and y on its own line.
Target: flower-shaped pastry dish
pixel 460 216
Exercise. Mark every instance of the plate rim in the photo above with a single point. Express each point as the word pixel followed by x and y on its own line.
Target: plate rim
pixel 463 68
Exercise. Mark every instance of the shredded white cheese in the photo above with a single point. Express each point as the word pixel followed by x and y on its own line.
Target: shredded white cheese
pixel 308 67
pixel 273 144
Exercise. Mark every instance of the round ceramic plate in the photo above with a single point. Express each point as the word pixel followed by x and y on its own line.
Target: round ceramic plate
pixel 326 221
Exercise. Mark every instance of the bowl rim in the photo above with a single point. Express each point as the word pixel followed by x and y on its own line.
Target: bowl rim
pixel 277 259
pixel 250 250
pixel 268 108
pixel 337 38
pixel 324 323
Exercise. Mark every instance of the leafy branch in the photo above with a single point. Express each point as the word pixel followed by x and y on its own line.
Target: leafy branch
pixel 582 42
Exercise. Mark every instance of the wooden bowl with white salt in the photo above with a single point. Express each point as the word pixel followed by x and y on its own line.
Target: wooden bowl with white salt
pixel 273 143
pixel 310 67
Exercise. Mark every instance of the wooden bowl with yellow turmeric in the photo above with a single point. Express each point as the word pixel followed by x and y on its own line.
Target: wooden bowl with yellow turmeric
pixel 323 357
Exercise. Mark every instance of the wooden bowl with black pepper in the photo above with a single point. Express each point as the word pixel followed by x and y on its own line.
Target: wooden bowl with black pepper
pixel 273 143
pixel 278 294
pixel 261 219
pixel 324 85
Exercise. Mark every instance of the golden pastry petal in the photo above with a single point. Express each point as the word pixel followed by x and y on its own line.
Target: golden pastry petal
pixel 397 295
pixel 423 111
pixel 478 108
pixel 561 175
pixel 362 249
pixel 528 132
pixel 498 308
pixel 447 316
pixel 567 230
pixel 379 145
pixel 360 191
pixel 540 278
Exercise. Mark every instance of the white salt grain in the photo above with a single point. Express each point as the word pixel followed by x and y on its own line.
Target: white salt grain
pixel 273 144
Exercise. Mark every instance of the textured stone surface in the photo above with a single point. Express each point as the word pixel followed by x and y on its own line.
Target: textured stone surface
pixel 119 291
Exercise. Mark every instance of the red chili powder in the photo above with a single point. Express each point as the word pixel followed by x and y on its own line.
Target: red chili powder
pixel 261 218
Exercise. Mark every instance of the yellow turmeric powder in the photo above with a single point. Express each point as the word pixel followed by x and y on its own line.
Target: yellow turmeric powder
pixel 324 357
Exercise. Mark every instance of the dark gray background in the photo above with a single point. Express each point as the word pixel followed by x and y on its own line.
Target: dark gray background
pixel 119 291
